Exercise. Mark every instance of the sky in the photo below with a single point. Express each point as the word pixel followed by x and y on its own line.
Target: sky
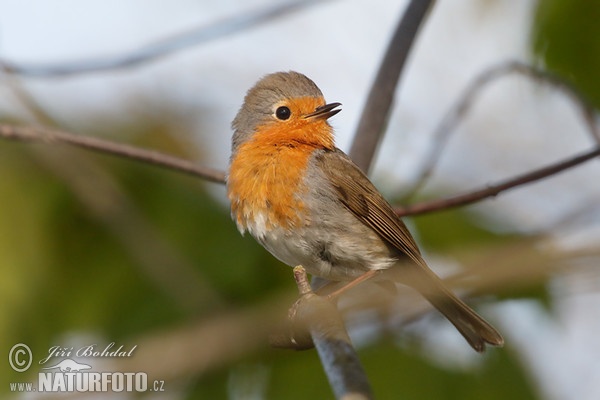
pixel 514 126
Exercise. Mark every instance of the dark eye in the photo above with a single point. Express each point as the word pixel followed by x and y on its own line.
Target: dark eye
pixel 283 113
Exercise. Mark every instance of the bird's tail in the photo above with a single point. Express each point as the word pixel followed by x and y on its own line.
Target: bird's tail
pixel 477 331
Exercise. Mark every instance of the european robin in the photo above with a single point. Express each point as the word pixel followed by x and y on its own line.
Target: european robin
pixel 308 204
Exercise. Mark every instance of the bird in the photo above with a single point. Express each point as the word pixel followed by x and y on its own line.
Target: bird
pixel 307 203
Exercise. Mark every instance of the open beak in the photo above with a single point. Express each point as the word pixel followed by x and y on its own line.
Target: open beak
pixel 324 112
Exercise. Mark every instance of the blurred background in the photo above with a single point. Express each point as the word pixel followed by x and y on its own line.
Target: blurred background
pixel 96 249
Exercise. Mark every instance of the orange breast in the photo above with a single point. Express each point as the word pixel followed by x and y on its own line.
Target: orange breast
pixel 265 179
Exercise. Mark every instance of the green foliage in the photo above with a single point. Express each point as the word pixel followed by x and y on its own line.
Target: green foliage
pixel 566 36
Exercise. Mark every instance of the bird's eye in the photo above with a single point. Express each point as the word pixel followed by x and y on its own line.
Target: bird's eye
pixel 283 113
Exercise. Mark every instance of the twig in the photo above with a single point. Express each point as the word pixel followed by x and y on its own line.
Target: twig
pixel 494 190
pixel 339 359
pixel 377 108
pixel 160 48
pixel 118 149
pixel 456 114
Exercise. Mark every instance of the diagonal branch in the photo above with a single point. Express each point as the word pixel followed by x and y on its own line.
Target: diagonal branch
pixel 160 48
pixel 377 108
pixel 107 147
pixel 494 190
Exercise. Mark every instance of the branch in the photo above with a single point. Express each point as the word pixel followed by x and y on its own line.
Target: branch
pixel 494 190
pixel 116 149
pixel 339 359
pixel 455 115
pixel 160 48
pixel 377 108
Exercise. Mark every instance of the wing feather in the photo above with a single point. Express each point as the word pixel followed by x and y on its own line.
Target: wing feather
pixel 361 197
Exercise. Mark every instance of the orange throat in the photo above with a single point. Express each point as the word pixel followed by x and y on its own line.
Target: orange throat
pixel 265 182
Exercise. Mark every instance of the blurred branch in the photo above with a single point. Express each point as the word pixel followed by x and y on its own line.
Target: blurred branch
pixel 467 99
pixel 156 259
pixel 161 48
pixel 46 135
pixel 494 190
pixel 377 107
pixel 197 348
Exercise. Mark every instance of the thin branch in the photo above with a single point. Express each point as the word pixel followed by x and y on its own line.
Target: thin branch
pixel 377 108
pixel 494 190
pixel 160 48
pixel 467 99
pixel 107 147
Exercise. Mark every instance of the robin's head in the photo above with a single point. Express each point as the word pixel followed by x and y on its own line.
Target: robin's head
pixel 283 102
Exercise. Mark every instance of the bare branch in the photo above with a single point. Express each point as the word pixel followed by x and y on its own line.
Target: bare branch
pixel 160 48
pixel 377 108
pixel 494 190
pixel 117 149
pixel 339 359
pixel 467 99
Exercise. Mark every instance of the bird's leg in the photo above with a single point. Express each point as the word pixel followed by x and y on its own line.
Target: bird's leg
pixel 355 282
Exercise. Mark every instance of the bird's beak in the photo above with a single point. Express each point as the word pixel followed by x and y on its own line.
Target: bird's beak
pixel 324 112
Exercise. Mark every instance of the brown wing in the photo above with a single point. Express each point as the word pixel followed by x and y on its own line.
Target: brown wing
pixel 361 197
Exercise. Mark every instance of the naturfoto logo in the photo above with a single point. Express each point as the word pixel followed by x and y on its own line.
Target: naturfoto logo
pixel 69 375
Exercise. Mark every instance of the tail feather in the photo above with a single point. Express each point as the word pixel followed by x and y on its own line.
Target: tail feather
pixel 477 331
pixel 471 325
